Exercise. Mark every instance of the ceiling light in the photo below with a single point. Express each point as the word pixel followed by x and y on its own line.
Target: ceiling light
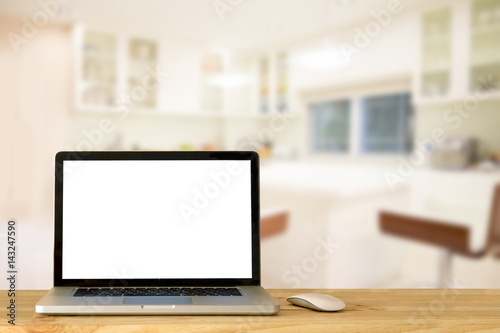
pixel 229 80
pixel 325 57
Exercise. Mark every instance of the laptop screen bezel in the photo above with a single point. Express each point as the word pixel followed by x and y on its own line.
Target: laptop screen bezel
pixel 60 157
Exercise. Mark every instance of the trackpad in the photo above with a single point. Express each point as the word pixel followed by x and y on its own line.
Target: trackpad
pixel 157 300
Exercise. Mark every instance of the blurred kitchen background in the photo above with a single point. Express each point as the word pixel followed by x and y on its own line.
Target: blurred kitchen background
pixel 378 123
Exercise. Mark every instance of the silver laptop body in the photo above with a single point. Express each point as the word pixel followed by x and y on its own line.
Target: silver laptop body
pixel 164 233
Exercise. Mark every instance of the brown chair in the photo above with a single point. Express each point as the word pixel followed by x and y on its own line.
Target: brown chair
pixel 273 222
pixel 454 239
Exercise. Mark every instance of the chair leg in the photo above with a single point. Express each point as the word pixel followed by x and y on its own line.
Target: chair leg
pixel 444 269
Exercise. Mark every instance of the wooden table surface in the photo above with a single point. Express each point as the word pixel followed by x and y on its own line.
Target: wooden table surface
pixel 422 310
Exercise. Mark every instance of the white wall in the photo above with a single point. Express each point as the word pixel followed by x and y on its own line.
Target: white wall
pixel 144 130
pixel 35 99
pixel 179 92
pixel 482 124
pixel 393 52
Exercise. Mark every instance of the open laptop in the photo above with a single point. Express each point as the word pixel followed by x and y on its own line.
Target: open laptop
pixel 167 233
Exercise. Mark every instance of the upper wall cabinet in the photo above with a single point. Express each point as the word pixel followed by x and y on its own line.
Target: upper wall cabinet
pixel 212 99
pixel 272 77
pixel 96 84
pixel 485 46
pixel 459 51
pixel 235 84
pixel 114 71
pixel 227 84
pixel 142 61
pixel 436 53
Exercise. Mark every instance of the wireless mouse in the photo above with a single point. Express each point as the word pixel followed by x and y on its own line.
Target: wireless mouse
pixel 318 302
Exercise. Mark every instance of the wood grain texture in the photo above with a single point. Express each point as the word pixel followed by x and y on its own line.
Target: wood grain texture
pixel 419 310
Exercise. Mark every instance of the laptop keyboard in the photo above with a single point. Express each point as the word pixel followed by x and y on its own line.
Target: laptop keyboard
pixel 118 292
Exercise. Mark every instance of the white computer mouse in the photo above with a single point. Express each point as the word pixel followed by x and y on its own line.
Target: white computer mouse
pixel 318 302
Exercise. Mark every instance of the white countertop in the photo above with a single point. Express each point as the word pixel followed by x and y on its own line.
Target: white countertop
pixel 323 178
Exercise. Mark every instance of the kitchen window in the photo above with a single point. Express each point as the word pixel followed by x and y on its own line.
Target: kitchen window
pixel 363 124
pixel 330 126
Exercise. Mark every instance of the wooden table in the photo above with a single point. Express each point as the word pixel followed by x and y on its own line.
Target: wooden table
pixel 453 310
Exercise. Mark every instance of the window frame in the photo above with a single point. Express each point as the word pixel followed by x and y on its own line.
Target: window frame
pixel 356 92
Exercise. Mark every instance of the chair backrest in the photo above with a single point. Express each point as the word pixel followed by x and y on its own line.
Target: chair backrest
pixel 494 227
pixel 273 222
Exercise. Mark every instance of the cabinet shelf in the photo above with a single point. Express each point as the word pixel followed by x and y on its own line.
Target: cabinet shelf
pixel 483 63
pixel 99 56
pixel 486 30
pixel 437 39
pixel 485 49
pixel 435 70
pixel 143 63
pixel 448 100
pixel 90 83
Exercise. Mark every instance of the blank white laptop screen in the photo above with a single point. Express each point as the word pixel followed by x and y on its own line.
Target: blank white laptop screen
pixel 156 219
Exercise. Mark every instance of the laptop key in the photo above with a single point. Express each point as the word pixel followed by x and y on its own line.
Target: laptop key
pixel 159 291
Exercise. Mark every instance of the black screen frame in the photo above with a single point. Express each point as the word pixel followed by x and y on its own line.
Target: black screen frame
pixel 62 156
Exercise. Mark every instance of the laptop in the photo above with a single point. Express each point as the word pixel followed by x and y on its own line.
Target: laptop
pixel 157 233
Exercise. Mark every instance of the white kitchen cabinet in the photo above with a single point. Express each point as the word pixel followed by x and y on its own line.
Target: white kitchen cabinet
pixel 441 74
pixel 485 47
pixel 96 82
pixel 251 85
pixel 459 51
pixel 114 71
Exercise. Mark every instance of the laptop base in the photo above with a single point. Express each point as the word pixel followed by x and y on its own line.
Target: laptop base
pixel 254 301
